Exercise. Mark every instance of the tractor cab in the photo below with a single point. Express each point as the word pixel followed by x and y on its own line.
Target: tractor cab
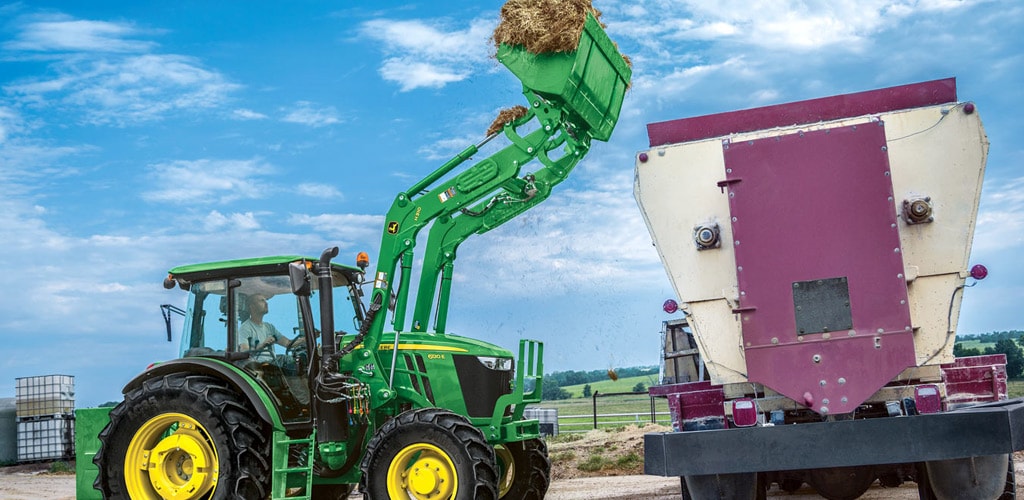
pixel 244 312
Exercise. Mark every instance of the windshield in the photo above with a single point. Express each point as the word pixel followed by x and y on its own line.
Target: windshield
pixel 260 317
pixel 257 308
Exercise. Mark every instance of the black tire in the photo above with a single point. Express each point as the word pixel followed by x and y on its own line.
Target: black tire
pixel 1010 490
pixel 528 473
pixel 924 487
pixel 332 491
pixel 195 418
pixel 420 440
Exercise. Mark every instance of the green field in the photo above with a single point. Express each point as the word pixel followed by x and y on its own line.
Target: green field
pixel 609 385
pixel 975 344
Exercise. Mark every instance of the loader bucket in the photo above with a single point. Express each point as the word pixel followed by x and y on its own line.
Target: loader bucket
pixel 590 82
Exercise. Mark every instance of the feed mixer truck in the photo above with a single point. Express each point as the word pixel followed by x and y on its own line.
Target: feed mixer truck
pixel 271 397
pixel 820 251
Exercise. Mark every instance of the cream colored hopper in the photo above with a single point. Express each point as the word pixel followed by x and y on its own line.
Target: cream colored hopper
pixel 826 253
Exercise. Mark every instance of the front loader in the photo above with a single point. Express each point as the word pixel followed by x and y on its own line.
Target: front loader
pixel 271 398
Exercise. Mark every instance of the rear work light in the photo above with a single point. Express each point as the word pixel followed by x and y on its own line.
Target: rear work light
pixel 744 413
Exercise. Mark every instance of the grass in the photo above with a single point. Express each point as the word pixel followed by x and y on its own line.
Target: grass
pixel 1015 388
pixel 61 467
pixel 608 386
pixel 975 344
pixel 594 463
pixel 629 410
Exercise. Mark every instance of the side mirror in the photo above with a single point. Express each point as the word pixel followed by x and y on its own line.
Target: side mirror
pixel 299 277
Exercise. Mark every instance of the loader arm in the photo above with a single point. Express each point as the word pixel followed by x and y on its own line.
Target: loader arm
pixel 520 195
pixel 574 97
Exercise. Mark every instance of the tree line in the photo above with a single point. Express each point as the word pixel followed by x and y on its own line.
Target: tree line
pixel 1010 343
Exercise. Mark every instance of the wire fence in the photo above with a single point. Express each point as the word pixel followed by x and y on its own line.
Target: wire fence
pixel 610 410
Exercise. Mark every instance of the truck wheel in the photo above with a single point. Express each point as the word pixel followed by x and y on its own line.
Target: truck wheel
pixel 841 483
pixel 429 453
pixel 525 468
pixel 183 436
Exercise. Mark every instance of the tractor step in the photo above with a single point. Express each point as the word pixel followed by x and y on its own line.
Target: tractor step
pixel 292 481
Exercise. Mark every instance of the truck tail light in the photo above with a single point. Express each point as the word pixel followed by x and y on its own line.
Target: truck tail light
pixel 744 413
pixel 927 399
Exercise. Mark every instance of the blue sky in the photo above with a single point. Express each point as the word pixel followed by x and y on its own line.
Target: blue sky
pixel 136 136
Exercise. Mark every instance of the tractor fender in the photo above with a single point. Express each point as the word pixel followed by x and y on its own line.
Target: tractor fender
pixel 260 400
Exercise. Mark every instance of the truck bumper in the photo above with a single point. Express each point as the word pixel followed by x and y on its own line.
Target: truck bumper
pixel 987 429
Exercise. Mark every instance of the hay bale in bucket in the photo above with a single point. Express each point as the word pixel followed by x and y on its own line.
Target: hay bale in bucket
pixel 543 26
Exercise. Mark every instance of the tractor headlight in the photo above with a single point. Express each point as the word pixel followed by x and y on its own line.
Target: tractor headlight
pixel 499 364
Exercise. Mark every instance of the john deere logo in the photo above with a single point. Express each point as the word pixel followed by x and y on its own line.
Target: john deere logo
pixel 392 227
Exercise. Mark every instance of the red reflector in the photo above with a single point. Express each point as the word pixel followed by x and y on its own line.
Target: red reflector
pixel 927 399
pixel 670 306
pixel 744 413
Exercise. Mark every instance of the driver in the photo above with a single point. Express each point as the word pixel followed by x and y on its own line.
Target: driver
pixel 255 334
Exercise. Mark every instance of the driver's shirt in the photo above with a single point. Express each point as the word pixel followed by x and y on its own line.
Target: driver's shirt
pixel 251 334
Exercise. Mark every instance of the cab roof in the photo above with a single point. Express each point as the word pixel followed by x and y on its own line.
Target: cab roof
pixel 246 267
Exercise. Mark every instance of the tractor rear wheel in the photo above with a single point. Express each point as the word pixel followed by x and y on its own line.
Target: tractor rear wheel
pixel 429 453
pixel 526 469
pixel 183 436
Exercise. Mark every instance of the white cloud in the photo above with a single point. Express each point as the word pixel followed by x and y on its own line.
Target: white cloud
pixel 247 114
pixel 412 74
pixel 94 69
pixel 208 181
pixel 589 235
pixel 806 26
pixel 215 221
pixel 422 55
pixel 445 149
pixel 1001 217
pixel 9 122
pixel 77 35
pixel 319 191
pixel 305 113
pixel 344 230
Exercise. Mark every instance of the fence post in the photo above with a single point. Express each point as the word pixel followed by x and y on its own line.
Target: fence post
pixel 653 419
pixel 594 397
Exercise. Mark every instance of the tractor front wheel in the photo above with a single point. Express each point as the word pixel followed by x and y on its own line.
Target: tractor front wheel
pixel 432 454
pixel 525 468
pixel 186 437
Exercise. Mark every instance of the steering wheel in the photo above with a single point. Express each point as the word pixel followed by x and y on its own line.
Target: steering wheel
pixel 297 351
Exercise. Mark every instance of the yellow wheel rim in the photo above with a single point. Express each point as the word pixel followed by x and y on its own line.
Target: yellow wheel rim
pixel 507 467
pixel 422 471
pixel 172 457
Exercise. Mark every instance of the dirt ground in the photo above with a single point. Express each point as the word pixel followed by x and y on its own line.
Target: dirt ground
pixel 28 485
pixel 600 464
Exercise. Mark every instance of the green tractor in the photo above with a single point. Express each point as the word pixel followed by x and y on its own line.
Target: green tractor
pixel 270 399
